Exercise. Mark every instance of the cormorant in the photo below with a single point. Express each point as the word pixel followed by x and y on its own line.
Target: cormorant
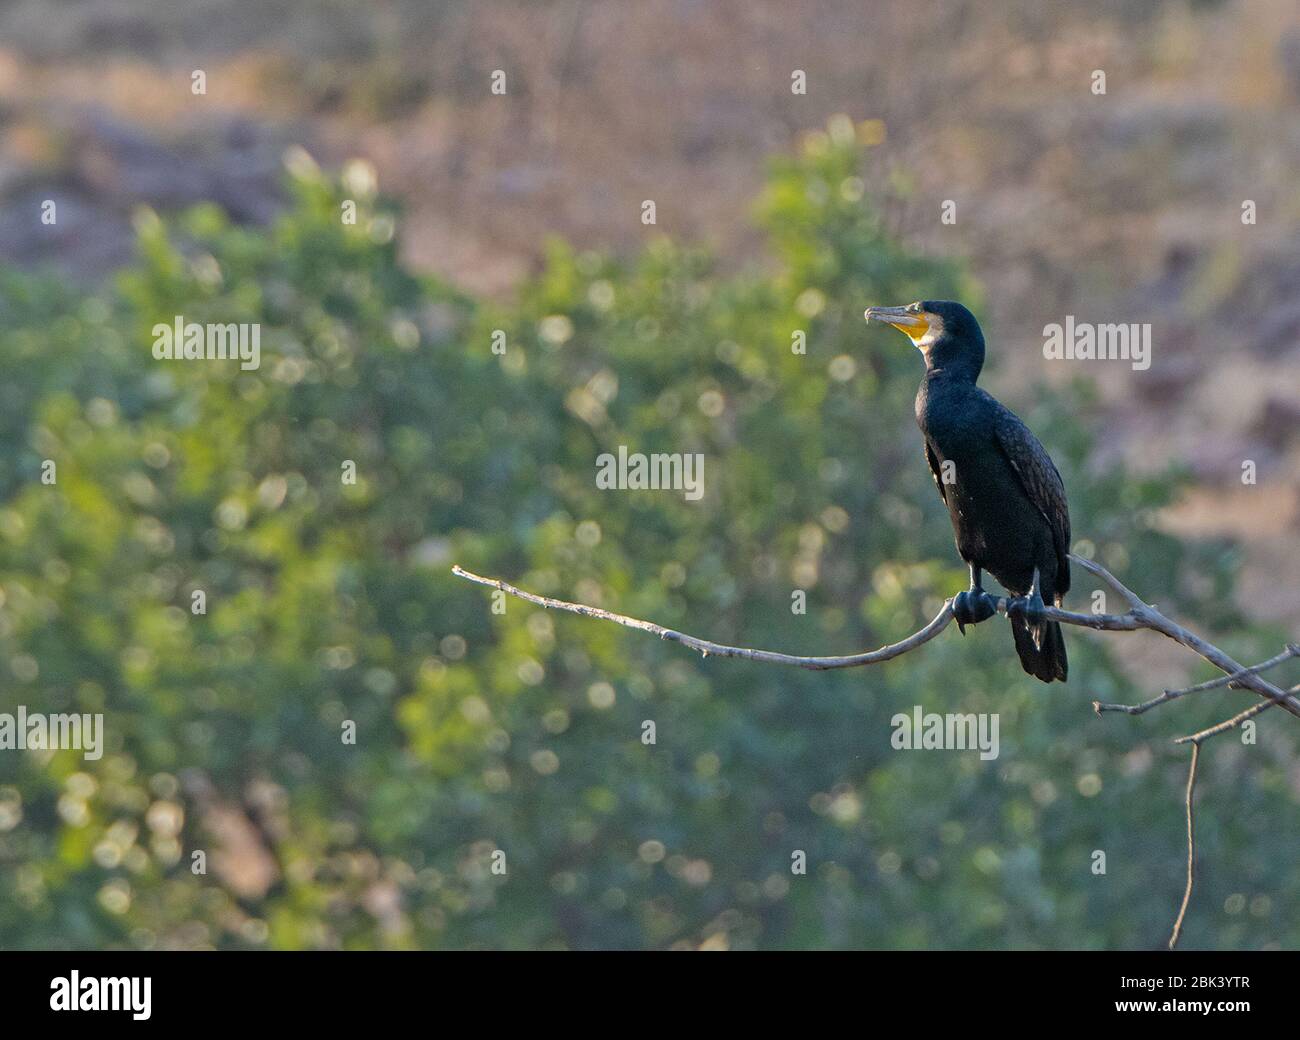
pixel 1003 492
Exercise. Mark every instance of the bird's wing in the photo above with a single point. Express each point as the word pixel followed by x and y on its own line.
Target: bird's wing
pixel 934 468
pixel 1038 476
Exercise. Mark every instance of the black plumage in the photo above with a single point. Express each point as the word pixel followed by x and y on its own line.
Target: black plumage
pixel 1004 494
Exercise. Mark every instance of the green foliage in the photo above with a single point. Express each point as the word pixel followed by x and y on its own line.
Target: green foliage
pixel 521 732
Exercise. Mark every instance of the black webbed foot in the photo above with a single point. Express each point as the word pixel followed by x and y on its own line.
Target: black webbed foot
pixel 1029 607
pixel 971 607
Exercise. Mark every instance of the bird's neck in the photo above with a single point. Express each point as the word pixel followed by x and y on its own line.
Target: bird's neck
pixel 952 372
pixel 960 362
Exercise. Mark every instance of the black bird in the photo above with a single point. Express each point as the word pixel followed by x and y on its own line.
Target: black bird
pixel 1002 490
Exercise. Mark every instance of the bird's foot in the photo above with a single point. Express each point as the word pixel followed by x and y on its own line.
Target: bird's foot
pixel 971 607
pixel 1030 607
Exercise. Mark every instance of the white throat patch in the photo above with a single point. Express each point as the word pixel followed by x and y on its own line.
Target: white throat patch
pixel 932 333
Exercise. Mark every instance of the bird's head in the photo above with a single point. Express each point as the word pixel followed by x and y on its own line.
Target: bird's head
pixel 946 333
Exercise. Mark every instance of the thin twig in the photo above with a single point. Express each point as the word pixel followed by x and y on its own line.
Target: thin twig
pixel 1191 846
pixel 1098 571
pixel 1232 723
pixel 1292 650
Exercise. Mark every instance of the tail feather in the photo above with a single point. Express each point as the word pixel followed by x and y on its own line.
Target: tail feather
pixel 1041 649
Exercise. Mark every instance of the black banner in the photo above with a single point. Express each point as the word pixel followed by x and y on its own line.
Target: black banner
pixel 168 990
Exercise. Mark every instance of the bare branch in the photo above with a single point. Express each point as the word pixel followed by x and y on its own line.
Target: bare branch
pixel 1139 616
pixel 1097 570
pixel 1292 650
pixel 1147 616
pixel 1101 707
pixel 1191 845
pixel 708 648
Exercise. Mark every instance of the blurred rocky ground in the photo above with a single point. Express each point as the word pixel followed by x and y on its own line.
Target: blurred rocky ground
pixel 1122 207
